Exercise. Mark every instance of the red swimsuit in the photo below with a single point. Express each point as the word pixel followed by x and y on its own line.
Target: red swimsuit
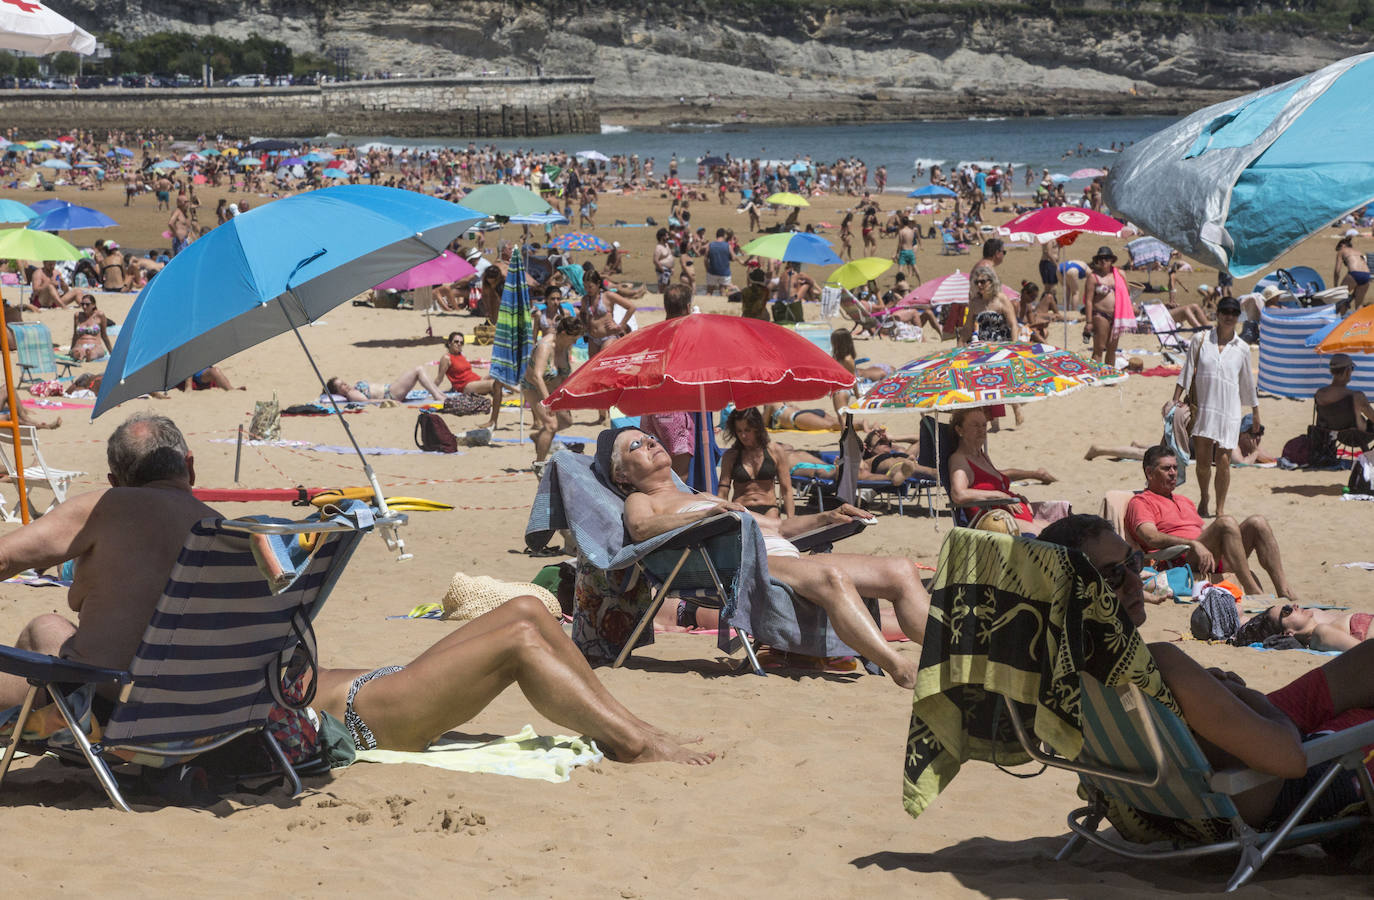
pixel 996 481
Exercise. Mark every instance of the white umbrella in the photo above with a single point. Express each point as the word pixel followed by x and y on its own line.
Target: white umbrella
pixel 32 27
pixel 593 154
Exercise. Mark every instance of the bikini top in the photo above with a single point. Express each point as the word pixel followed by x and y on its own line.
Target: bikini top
pixel 768 470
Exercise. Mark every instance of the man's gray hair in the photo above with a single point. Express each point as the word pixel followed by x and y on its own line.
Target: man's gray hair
pixel 146 448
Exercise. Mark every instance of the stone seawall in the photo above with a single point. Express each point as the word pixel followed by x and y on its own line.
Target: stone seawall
pixel 409 107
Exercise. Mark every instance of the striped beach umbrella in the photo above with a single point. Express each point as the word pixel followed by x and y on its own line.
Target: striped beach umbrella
pixel 576 240
pixel 952 288
pixel 514 339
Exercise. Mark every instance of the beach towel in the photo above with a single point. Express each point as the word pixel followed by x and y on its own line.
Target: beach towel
pixel 571 497
pixel 1123 317
pixel 1021 619
pixel 524 755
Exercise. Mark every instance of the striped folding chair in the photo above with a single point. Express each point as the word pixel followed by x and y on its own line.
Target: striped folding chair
pixel 1137 752
pixel 236 610
pixel 37 361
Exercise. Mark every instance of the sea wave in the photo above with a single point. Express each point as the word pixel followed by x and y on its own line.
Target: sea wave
pixel 613 129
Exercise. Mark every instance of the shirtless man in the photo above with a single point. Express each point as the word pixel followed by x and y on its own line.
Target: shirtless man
pixel 50 289
pixel 180 226
pixel 1361 431
pixel 163 187
pixel 125 539
pixel 1236 724
pixel 907 241
pixel 1356 271
pixel 663 261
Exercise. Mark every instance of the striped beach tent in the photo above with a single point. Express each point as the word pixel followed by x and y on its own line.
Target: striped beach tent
pixel 1287 366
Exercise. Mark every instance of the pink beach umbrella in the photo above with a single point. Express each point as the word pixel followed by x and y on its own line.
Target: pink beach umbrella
pixel 940 291
pixel 443 269
pixel 1088 173
pixel 1040 226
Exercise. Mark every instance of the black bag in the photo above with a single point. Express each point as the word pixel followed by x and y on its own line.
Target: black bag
pixel 1321 453
pixel 1358 483
pixel 432 434
pixel 788 312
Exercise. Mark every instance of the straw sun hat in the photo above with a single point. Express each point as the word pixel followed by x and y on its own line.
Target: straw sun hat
pixel 469 596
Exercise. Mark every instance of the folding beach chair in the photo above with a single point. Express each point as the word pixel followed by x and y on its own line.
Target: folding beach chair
pixel 37 472
pixel 811 487
pixel 236 612
pixel 701 563
pixel 1138 753
pixel 33 353
pixel 1170 336
pixel 949 246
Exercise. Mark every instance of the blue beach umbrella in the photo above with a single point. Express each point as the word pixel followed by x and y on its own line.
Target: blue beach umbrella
pixel 123 151
pixel 270 270
pixel 932 190
pixel 1060 178
pixel 335 173
pixel 70 217
pixel 549 218
pixel 41 207
pixel 167 164
pixel 57 164
pixel 1238 184
pixel 12 211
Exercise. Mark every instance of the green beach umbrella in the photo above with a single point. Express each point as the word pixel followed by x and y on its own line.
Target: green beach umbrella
pixel 860 271
pixel 795 246
pixel 506 200
pixel 25 243
pixel 787 198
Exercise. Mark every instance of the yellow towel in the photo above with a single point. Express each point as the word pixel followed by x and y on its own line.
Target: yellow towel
pixel 524 755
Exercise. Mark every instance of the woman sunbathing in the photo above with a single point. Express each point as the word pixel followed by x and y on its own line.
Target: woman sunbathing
pixel 883 457
pixel 362 391
pixel 1316 629
pixel 751 470
pixel 786 415
pixel 973 477
pixel 837 582
pixel 89 332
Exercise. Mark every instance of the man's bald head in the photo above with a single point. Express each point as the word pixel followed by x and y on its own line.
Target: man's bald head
pixel 146 448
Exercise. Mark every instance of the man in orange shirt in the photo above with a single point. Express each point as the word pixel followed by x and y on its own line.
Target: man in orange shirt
pixel 1157 518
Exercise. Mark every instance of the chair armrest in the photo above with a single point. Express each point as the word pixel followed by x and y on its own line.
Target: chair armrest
pixel 691 535
pixel 44 669
pixel 995 501
pixel 818 540
pixel 1317 750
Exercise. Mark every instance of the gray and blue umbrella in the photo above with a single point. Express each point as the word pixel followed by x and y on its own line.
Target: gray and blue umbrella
pixel 1238 184
pixel 510 349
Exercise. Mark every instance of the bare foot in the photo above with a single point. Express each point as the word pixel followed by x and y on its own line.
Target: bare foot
pixel 658 748
pixel 55 423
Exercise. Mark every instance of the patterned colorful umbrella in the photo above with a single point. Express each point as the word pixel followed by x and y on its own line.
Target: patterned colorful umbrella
pixel 984 375
pixel 510 351
pixel 576 240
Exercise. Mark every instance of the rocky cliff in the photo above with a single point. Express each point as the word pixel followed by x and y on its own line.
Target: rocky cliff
pixel 897 58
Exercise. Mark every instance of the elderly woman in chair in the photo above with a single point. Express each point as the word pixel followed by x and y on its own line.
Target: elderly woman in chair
pixel 836 582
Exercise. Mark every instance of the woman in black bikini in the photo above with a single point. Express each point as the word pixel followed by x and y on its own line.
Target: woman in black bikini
pixel 751 468
pixel 882 457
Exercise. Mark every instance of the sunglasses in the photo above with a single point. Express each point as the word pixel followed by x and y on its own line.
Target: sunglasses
pixel 1285 611
pixel 640 442
pixel 982 281
pixel 1116 574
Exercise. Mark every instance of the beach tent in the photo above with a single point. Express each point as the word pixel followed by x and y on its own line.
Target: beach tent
pixel 1287 366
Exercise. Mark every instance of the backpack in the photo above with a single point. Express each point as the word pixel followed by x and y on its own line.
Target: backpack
pixel 1360 483
pixel 431 433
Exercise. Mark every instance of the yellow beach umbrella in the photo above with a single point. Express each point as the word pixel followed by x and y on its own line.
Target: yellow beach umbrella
pixel 859 271
pixel 787 198
pixel 230 151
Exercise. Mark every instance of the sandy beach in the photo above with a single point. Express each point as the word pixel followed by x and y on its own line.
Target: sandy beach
pixel 804 798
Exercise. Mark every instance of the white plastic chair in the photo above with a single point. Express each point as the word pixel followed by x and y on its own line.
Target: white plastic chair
pixel 37 472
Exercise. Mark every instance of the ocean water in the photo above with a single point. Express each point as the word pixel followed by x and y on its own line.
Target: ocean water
pixel 1041 143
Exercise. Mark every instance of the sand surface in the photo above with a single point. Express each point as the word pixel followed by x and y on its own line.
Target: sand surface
pixel 804 799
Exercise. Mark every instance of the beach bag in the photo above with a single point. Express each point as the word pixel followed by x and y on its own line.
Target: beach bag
pixel 1321 448
pixel 474 296
pixel 431 434
pixel 1362 476
pixel 1296 451
pixel 266 422
pixel 484 334
pixel 996 520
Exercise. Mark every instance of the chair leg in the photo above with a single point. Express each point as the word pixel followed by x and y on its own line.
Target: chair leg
pixel 102 771
pixel 650 612
pixel 19 723
pixel 274 749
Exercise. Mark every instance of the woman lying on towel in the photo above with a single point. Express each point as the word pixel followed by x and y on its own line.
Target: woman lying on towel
pixel 1316 629
pixel 836 582
pixel 362 391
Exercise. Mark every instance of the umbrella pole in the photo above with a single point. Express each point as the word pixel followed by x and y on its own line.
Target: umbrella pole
pixel 393 540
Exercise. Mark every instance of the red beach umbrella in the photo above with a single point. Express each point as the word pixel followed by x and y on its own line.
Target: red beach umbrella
pixel 702 362
pixel 1041 226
